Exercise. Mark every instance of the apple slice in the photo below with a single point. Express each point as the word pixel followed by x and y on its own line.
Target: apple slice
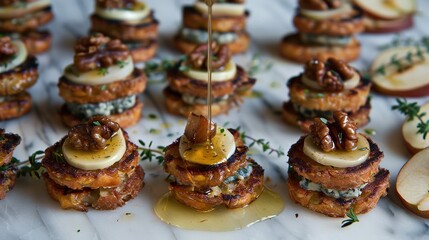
pixel 407 6
pixel 411 81
pixel 412 184
pixel 373 25
pixel 385 9
pixel 413 141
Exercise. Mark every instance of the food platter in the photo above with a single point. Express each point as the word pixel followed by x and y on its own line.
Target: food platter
pixel 29 213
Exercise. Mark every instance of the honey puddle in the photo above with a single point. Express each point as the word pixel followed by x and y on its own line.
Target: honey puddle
pixel 268 205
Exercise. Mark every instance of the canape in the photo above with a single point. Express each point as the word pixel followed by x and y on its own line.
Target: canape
pixel 228 24
pixel 18 71
pixel 22 19
pixel 335 169
pixel 187 83
pixel 101 81
pixel 206 177
pixel 8 143
pixel 325 29
pixel 132 22
pixel 95 165
pixel 325 87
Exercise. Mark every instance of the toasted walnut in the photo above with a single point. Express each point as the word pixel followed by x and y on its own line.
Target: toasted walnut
pixel 115 3
pixel 320 135
pixel 98 51
pixel 340 134
pixel 221 56
pixel 330 76
pixel 320 4
pixel 93 135
pixel 6 47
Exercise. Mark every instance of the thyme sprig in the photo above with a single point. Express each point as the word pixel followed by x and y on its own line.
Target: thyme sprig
pixel 399 41
pixel 31 167
pixel 156 70
pixel 263 144
pixel 352 218
pixel 400 63
pixel 147 153
pixel 257 65
pixel 412 111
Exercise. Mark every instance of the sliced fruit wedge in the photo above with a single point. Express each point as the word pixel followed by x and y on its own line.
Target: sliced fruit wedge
pixel 413 141
pixel 386 9
pixel 412 184
pixel 410 80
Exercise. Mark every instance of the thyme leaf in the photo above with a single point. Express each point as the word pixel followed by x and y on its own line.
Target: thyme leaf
pixel 412 111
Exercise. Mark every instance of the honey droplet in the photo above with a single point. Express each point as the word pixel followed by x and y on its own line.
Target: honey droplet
pixel 268 205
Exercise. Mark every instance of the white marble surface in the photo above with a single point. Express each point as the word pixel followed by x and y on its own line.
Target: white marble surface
pixel 29 213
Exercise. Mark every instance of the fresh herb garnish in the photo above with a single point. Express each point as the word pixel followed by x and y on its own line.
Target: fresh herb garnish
pixel 264 144
pixel 103 71
pixel 370 131
pixel 32 167
pixel 404 62
pixel 121 64
pixel 154 131
pixel 258 65
pixel 103 87
pixel 96 123
pixel 352 218
pixel 148 154
pixel 152 116
pixel 412 111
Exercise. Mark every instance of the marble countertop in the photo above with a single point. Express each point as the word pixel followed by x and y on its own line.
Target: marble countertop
pixel 29 213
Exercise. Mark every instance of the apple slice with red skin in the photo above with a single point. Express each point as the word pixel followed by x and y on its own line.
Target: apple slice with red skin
pixel 387 9
pixel 373 25
pixel 412 184
pixel 411 81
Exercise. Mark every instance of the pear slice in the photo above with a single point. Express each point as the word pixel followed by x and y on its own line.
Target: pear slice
pixel 413 141
pixel 408 6
pixel 384 9
pixel 412 184
pixel 411 81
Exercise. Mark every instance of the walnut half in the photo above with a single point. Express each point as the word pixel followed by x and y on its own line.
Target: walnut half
pixel 98 51
pixel 93 135
pixel 198 57
pixel 339 134
pixel 329 75
pixel 7 49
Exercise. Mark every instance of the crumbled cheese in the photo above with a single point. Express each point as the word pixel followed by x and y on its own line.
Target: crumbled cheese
pixel 201 36
pixel 103 108
pixel 345 194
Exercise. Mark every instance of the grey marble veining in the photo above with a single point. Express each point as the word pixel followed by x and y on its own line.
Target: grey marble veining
pixel 29 213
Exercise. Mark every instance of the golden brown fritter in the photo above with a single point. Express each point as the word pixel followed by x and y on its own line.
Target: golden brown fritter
pixel 20 78
pixel 7 181
pixel 147 30
pixel 37 41
pixel 239 45
pixel 143 51
pixel 100 199
pixel 319 202
pixel 197 175
pixel 241 193
pixel 332 177
pixel 294 49
pixel 192 18
pixel 66 175
pixel 8 143
pixel 15 106
pixel 28 22
pixel 79 93
pixel 361 117
pixel 348 25
pixel 181 83
pixel 125 119
pixel 347 101
pixel 175 104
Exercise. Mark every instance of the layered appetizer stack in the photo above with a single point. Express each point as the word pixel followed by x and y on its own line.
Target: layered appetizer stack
pixel 383 16
pixel 187 83
pixel 131 21
pixel 95 165
pixel 101 81
pixel 325 29
pixel 18 71
pixel 228 24
pixel 335 170
pixel 323 88
pixel 206 175
pixel 23 18
pixel 8 143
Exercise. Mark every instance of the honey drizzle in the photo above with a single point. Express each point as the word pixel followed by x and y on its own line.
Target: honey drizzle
pixel 209 4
